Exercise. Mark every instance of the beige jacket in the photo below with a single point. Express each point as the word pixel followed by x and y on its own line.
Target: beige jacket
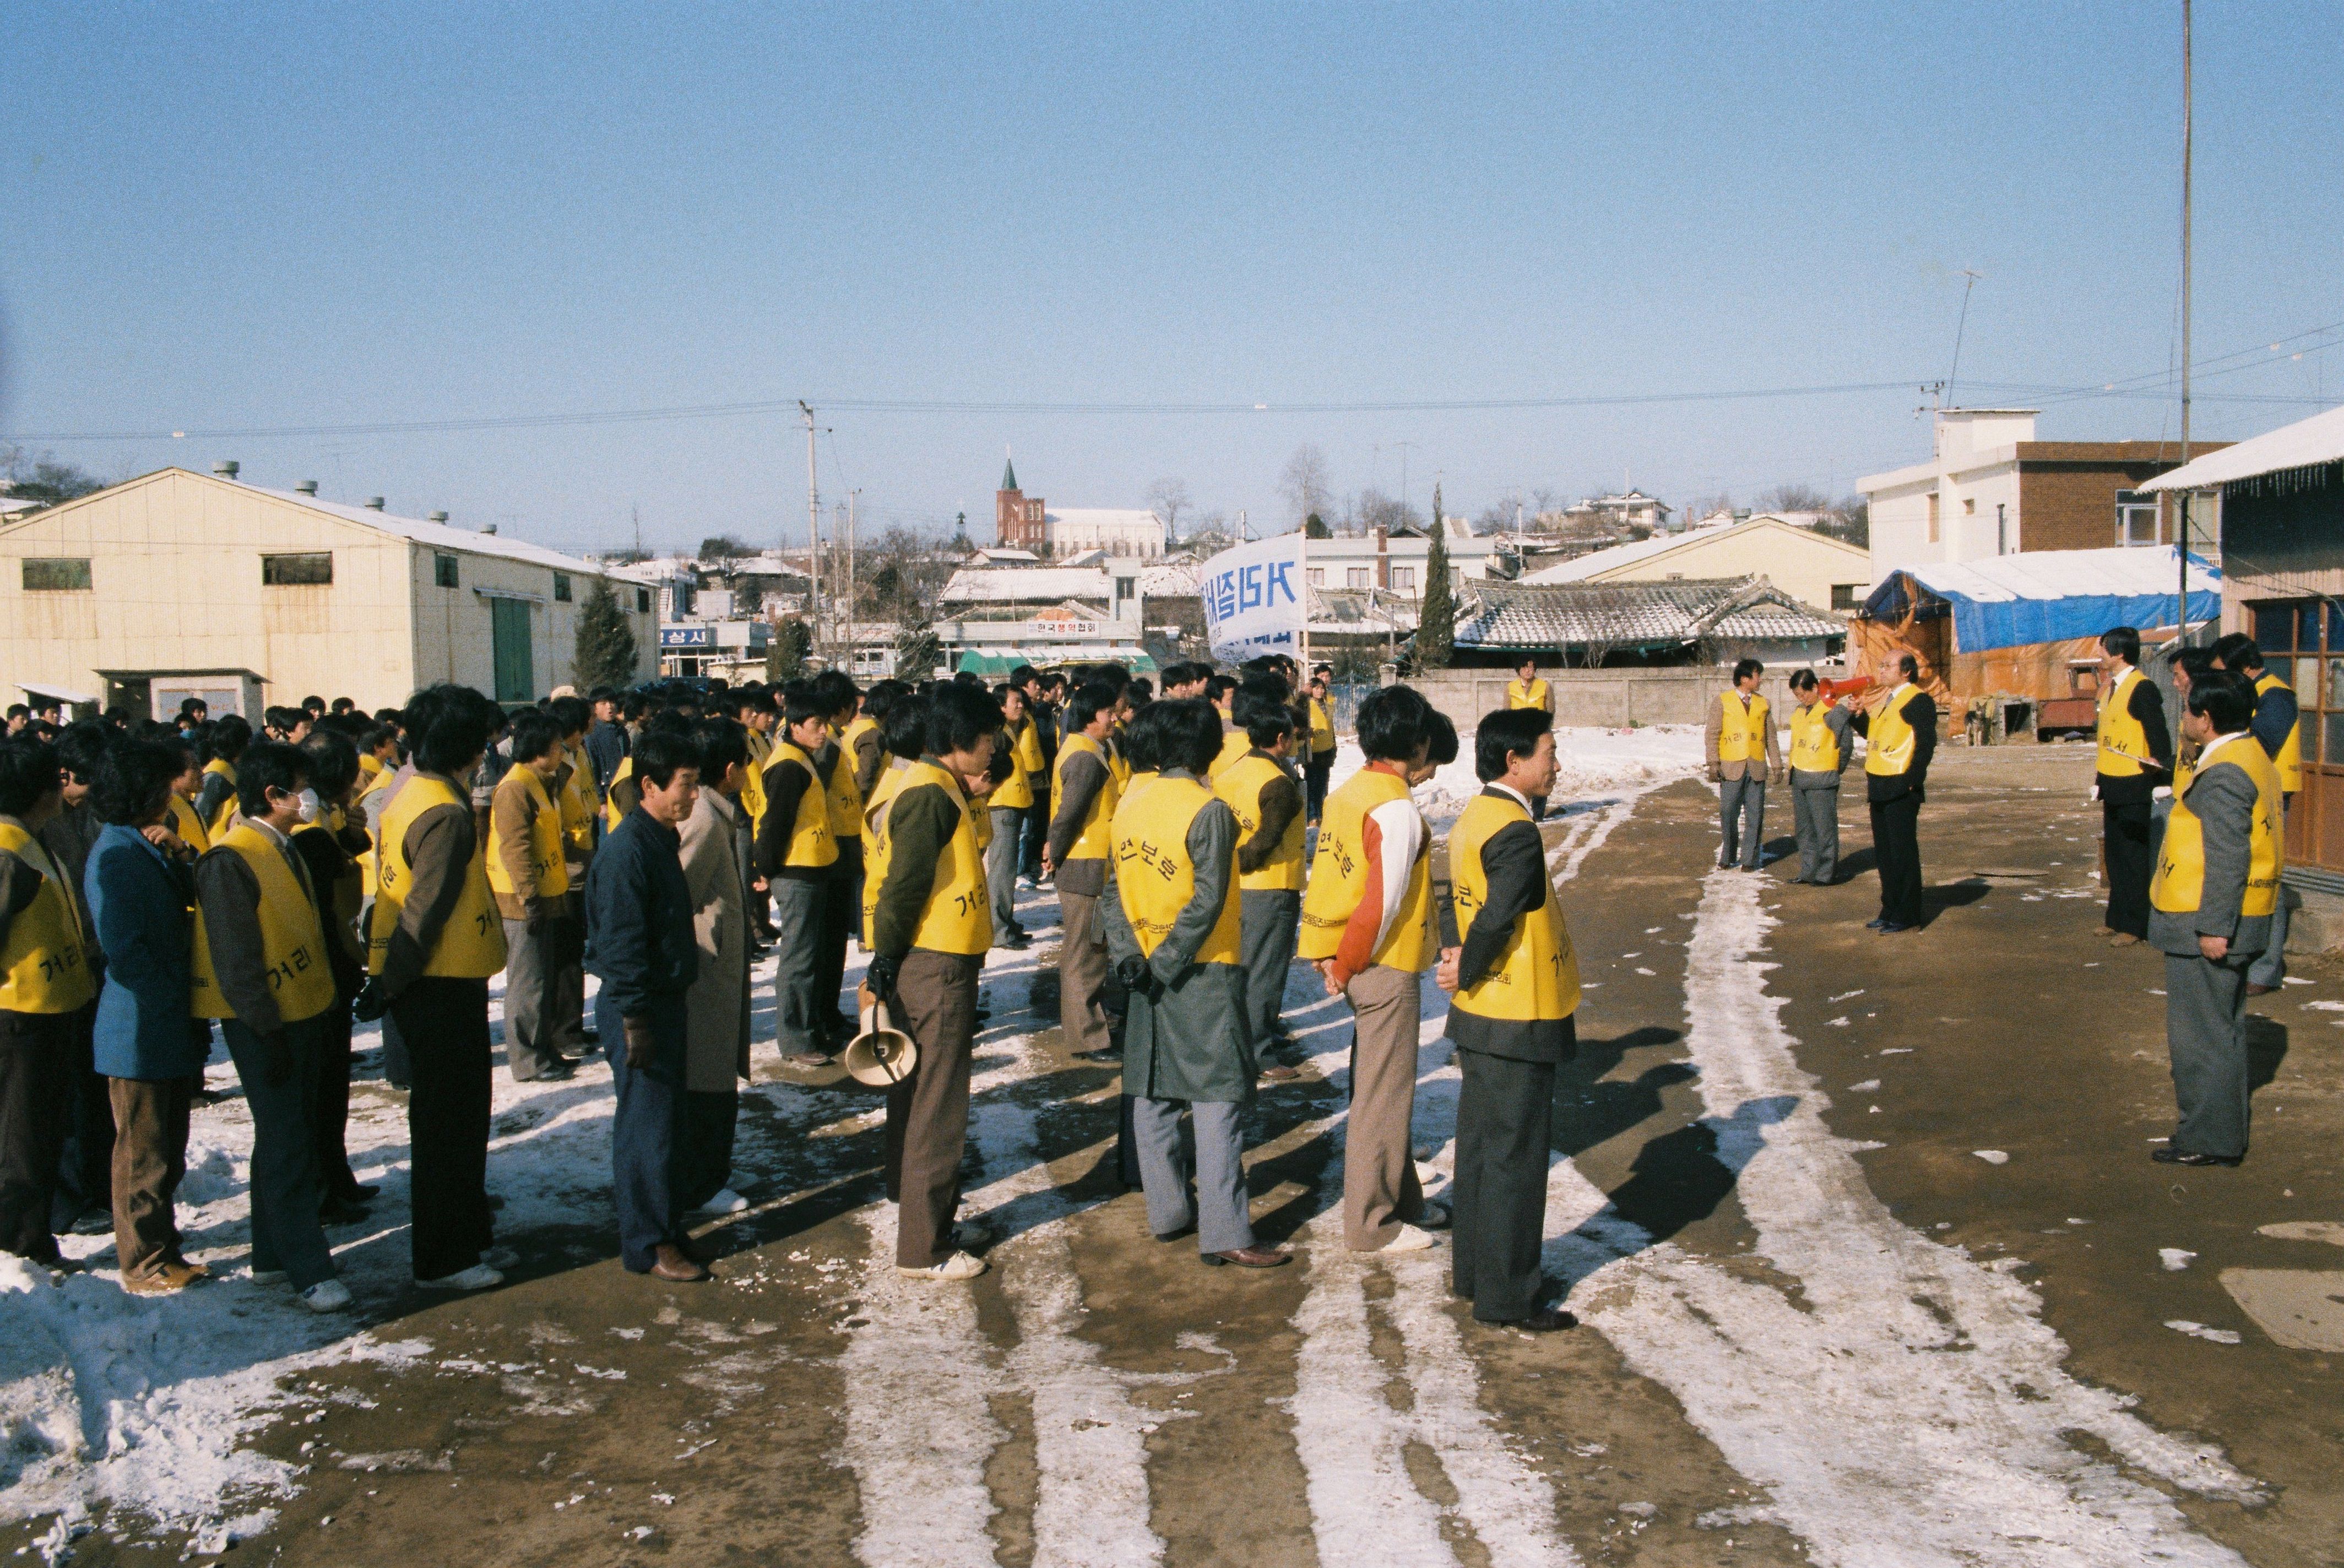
pixel 716 1008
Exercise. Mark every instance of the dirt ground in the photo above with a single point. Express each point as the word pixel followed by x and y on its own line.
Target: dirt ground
pixel 1819 1326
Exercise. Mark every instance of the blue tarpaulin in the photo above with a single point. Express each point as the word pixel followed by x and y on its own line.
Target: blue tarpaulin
pixel 2049 595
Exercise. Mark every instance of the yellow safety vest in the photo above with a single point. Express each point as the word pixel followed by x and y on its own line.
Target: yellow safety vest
pixel 612 815
pixel 188 825
pixel 546 860
pixel 42 966
pixel 980 817
pixel 1118 767
pixel 369 766
pixel 1029 750
pixel 1241 785
pixel 292 938
pixel 883 791
pixel 2124 742
pixel 472 945
pixel 344 899
pixel 1815 747
pixel 1890 751
pixel 577 806
pixel 1322 728
pixel 1531 697
pixel 1234 745
pixel 1339 878
pixel 1014 792
pixel 958 916
pixel 369 864
pixel 2180 882
pixel 1536 975
pixel 2289 760
pixel 813 842
pixel 1096 840
pixel 1741 734
pixel 223 814
pixel 1153 875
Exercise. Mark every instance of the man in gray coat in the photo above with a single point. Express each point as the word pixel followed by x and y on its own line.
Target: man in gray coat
pixel 1820 749
pixel 1185 1038
pixel 713 843
pixel 2206 880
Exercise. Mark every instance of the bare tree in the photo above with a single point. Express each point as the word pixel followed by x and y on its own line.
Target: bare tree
pixel 1303 483
pixel 1374 508
pixel 1794 497
pixel 1168 497
pixel 1850 523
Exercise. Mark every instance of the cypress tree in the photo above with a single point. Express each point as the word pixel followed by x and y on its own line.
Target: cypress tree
pixel 1436 625
pixel 606 643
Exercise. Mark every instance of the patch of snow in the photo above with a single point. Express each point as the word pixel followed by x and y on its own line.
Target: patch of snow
pixel 1992 1156
pixel 2200 1332
pixel 1589 762
pixel 2174 1259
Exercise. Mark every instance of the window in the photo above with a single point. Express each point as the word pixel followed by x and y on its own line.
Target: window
pixel 1847 595
pixel 1404 579
pixel 1318 577
pixel 643 601
pixel 2291 635
pixel 443 571
pixel 56 576
pixel 293 570
pixel 561 588
pixel 1355 577
pixel 2137 519
pixel 1932 517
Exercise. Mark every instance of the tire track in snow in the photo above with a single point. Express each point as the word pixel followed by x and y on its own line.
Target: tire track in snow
pixel 1915 1386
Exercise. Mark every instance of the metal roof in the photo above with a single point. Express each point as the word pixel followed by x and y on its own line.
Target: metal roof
pixel 1512 615
pixel 437 535
pixel 1018 585
pixel 2306 443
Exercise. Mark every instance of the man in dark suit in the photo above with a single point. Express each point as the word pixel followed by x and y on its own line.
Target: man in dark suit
pixel 1903 733
pixel 2136 759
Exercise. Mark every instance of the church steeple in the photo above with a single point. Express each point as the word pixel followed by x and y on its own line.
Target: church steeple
pixel 1018 518
pixel 1009 474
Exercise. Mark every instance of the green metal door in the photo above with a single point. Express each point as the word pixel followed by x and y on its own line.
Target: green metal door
pixel 516 677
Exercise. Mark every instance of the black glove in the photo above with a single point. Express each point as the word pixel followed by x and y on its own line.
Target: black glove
pixel 640 1046
pixel 881 978
pixel 370 1003
pixel 1138 977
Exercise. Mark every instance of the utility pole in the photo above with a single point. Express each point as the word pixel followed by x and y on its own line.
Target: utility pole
pixel 2181 598
pixel 850 497
pixel 1972 275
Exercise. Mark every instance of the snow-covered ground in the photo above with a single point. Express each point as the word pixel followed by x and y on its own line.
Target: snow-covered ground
pixel 149 1404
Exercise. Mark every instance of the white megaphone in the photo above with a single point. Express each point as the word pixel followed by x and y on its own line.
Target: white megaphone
pixel 882 1055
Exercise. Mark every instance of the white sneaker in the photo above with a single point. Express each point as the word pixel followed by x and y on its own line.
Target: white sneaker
pixel 326 1296
pixel 479 1277
pixel 959 1266
pixel 268 1276
pixel 1434 1218
pixel 726 1201
pixel 971 1235
pixel 501 1257
pixel 1411 1240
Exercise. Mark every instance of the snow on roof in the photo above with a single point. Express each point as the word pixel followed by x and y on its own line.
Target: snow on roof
pixel 437 535
pixel 2304 444
pixel 1170 579
pixel 2051 595
pixel 984 585
pixel 2063 574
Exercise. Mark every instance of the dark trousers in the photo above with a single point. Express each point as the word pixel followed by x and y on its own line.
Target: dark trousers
pixel 1037 834
pixel 705 1166
pixel 840 917
pixel 150 1159
pixel 1314 785
pixel 1499 1221
pixel 398 1071
pixel 2206 1031
pixel 1896 845
pixel 86 1171
pixel 35 1103
pixel 278 1086
pixel 2124 829
pixel 329 1103
pixel 927 1113
pixel 649 1132
pixel 445 1023
pixel 1269 923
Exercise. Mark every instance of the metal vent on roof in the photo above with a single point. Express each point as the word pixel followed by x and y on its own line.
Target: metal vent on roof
pixel 226 467
pixel 374 504
pixel 435 516
pixel 307 487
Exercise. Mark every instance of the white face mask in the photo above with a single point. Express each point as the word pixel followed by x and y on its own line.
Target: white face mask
pixel 311 810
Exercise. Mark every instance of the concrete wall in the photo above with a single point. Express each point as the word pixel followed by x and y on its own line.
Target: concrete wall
pixel 1613 698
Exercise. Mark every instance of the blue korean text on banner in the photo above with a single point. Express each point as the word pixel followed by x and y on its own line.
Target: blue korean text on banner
pixel 1254 600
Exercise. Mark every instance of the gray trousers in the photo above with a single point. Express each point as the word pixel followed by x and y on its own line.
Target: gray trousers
pixel 1218 1208
pixel 1741 813
pixel 285 1193
pixel 1816 812
pixel 798 1026
pixel 1001 870
pixel 2206 1031
pixel 533 1005
pixel 1082 975
pixel 2269 967
pixel 1269 922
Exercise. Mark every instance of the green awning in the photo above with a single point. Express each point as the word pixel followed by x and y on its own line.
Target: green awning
pixel 1001 664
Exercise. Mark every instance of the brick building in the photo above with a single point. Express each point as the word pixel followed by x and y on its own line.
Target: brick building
pixel 1018 518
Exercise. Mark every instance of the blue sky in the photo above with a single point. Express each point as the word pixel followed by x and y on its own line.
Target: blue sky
pixel 260 217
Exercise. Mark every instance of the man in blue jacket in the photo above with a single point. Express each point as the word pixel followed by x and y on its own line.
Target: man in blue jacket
pixel 640 942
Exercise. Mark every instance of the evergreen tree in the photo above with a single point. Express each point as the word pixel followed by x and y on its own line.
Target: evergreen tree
pixel 1315 527
pixel 1436 628
pixel 606 643
pixel 786 650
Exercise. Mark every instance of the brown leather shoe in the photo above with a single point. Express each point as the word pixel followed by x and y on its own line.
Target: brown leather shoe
pixel 676 1267
pixel 1250 1257
pixel 166 1279
pixel 2255 990
pixel 1545 1321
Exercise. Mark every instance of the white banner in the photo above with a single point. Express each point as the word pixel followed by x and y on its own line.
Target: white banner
pixel 1254 599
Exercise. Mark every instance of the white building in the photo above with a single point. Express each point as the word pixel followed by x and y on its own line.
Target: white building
pixel 1395 562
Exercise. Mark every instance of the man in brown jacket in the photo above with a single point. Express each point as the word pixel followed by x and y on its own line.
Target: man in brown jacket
pixel 528 873
pixel 1743 752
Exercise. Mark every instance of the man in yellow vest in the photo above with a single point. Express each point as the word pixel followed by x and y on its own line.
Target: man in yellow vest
pixel 931 923
pixel 1820 749
pixel 2211 904
pixel 261 966
pixel 1173 930
pixel 1742 752
pixel 844 892
pixel 1902 730
pixel 1008 803
pixel 574 794
pixel 1367 925
pixel 45 981
pixel 528 873
pixel 1527 689
pixel 216 802
pixel 755 707
pixel 1075 856
pixel 1515 981
pixel 796 852
pixel 2277 726
pixel 434 941
pixel 1320 763
pixel 1261 790
pixel 2136 759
